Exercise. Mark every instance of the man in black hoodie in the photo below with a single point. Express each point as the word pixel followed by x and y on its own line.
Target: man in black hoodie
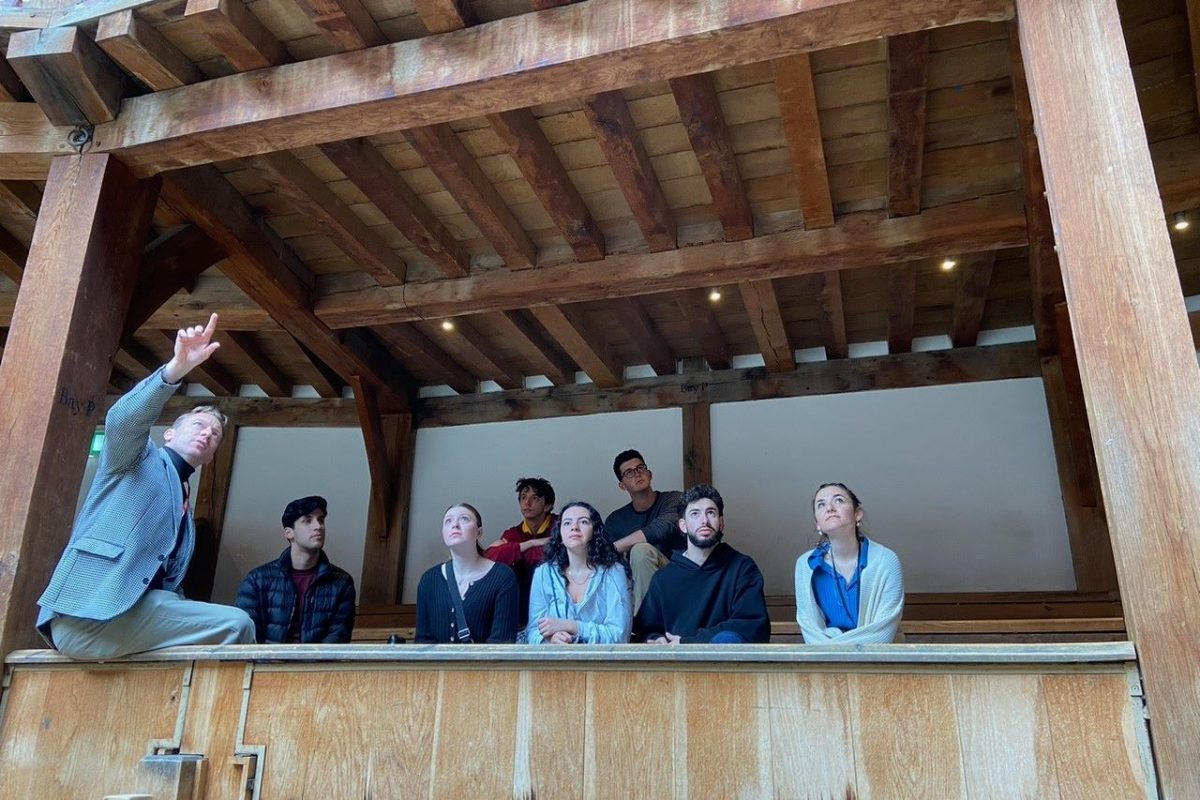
pixel 709 593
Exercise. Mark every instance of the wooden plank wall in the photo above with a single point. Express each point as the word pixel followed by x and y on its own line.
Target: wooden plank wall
pixel 357 730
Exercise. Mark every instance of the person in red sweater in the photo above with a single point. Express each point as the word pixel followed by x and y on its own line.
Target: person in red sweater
pixel 522 546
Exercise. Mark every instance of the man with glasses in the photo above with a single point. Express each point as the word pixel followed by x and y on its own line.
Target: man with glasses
pixel 646 530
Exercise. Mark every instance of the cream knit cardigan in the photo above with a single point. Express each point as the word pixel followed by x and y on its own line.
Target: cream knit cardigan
pixel 880 602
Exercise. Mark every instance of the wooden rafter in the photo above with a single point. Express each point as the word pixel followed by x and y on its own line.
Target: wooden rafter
pixel 971 299
pixel 309 195
pixel 471 348
pixel 801 124
pixel 766 320
pixel 582 345
pixel 445 78
pixel 236 33
pixel 908 60
pixel 381 183
pixel 989 223
pixel 443 16
pixel 72 80
pixel 11 88
pixel 266 269
pixel 414 347
pixel 621 142
pixel 542 168
pixel 458 171
pixel 144 52
pixel 13 256
pixel 18 208
pixel 169 263
pixel 646 338
pixel 700 111
pixel 871 373
pixel 1045 275
pixel 698 314
pixel 345 24
pixel 378 463
pixel 832 317
pixel 326 381
pixel 902 307
pixel 263 371
pixel 542 353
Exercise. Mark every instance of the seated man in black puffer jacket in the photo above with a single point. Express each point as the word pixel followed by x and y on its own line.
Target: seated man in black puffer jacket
pixel 300 596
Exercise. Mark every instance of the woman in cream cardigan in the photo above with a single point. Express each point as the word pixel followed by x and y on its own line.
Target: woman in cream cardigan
pixel 849 589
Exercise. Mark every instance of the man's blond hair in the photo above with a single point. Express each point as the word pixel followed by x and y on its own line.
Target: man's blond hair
pixel 213 410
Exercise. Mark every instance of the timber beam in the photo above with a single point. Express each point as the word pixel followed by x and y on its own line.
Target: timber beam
pixel 859 240
pixel 960 365
pixel 71 78
pixel 266 269
pixel 516 62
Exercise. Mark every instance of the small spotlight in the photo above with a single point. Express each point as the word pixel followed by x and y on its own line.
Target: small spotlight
pixel 714 296
pixel 1181 222
pixel 948 264
pixel 447 325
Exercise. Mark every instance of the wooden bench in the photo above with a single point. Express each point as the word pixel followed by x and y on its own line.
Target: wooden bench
pixel 928 618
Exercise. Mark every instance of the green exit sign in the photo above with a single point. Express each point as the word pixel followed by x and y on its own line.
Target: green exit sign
pixel 97 444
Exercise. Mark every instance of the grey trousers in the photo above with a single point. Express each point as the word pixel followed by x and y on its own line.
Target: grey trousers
pixel 644 560
pixel 159 619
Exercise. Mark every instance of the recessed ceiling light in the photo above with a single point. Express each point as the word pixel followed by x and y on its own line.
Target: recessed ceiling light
pixel 948 264
pixel 447 325
pixel 1181 222
pixel 714 295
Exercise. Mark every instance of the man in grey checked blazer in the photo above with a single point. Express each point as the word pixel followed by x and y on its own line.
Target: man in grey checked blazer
pixel 116 590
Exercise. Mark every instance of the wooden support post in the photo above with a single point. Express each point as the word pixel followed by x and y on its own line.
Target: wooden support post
pixel 83 260
pixel 212 497
pixel 378 465
pixel 1136 360
pixel 386 546
pixel 697 444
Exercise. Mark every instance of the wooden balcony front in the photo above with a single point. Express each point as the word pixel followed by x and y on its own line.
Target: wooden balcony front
pixel 380 721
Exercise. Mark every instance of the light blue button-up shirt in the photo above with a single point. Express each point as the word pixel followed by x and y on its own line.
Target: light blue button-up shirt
pixel 605 615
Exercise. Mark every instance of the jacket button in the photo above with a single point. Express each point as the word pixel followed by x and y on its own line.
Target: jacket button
pixel 162 558
pixel 146 581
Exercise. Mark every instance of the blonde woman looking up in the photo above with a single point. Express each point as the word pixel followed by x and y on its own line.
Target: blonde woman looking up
pixel 849 589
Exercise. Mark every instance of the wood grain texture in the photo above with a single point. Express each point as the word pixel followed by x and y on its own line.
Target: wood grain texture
pixel 544 171
pixel 473 707
pixel 798 110
pixel 309 195
pixel 212 723
pixel 646 338
pixel 458 171
pixel 346 24
pixel 971 300
pixel 144 53
pixel 96 219
pixel 860 241
pixel 897 721
pixel 766 320
pixel 697 444
pixel 264 372
pixel 72 80
pixel 479 353
pixel 443 16
pixel 694 307
pixel 713 701
pixel 532 59
pixel 810 719
pixel 832 317
pixel 613 126
pixel 384 552
pixel 908 64
pixel 1119 275
pixel 515 327
pixel 1004 735
pixel 632 720
pixel 170 263
pixel 366 751
pixel 236 33
pixel 702 116
pixel 11 88
pixel 415 348
pixel 581 344
pixel 378 180
pixel 84 733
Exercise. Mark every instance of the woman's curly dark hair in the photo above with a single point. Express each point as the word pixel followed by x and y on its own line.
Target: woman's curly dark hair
pixel 601 552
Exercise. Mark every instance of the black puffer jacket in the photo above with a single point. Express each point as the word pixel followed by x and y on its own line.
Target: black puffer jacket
pixel 269 596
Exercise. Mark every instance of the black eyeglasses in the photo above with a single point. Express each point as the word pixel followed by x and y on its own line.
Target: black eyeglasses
pixel 638 470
